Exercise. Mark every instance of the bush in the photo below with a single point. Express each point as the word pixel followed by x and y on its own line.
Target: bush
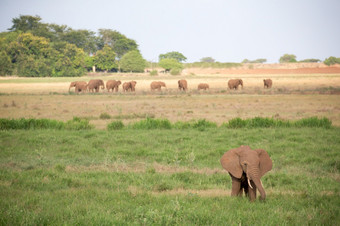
pixel 105 116
pixel 175 71
pixel 150 123
pixel 115 125
pixel 78 124
pixel 154 72
pixel 332 60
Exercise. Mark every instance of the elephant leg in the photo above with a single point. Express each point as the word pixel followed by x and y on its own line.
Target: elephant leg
pixel 235 186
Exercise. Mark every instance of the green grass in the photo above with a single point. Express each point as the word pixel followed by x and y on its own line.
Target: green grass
pixel 126 177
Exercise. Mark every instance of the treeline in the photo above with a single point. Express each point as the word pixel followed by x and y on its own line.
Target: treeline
pixel 36 49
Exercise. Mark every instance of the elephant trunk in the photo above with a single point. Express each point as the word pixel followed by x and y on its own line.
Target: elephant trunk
pixel 254 175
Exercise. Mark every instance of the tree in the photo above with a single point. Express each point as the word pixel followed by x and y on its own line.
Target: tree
pixel 310 61
pixel 84 39
pixel 25 23
pixel 259 61
pixel 132 61
pixel 207 60
pixel 70 61
pixel 117 41
pixel 288 58
pixel 332 60
pixel 173 55
pixel 105 59
pixel 169 63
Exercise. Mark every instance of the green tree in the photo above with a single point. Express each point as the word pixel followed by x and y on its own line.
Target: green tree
pixel 288 58
pixel 332 60
pixel 173 55
pixel 6 66
pixel 117 41
pixel 105 59
pixel 83 39
pixel 70 61
pixel 132 61
pixel 25 23
pixel 310 61
pixel 207 60
pixel 32 55
pixel 169 63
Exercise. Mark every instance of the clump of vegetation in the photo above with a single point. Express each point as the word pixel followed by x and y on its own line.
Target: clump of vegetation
pixel 115 125
pixel 332 60
pixel 105 116
pixel 259 122
pixel 30 123
pixel 212 65
pixel 150 123
pixel 175 71
pixel 153 72
pixel 78 124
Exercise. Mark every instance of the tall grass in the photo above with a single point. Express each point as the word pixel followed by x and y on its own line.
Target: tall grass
pixel 30 124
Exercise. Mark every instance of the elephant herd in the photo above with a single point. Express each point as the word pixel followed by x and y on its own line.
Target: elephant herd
pixel 112 85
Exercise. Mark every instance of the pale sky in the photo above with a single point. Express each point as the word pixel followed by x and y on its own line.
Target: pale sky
pixel 226 30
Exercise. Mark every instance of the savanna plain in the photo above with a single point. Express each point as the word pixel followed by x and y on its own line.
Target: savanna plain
pixel 168 176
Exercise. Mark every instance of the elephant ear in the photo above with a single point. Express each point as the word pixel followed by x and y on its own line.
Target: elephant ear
pixel 266 163
pixel 230 162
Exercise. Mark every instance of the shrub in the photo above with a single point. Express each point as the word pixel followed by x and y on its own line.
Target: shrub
pixel 78 124
pixel 150 123
pixel 115 125
pixel 154 72
pixel 104 116
pixel 175 71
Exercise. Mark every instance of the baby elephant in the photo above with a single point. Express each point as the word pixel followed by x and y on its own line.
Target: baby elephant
pixel 157 85
pixel 182 85
pixel 80 86
pixel 129 86
pixel 113 84
pixel 267 83
pixel 204 86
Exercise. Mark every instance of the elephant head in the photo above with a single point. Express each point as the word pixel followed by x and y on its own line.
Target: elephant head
pixel 252 163
pixel 240 81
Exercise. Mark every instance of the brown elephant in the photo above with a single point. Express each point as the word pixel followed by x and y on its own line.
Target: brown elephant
pixel 81 87
pixel 182 85
pixel 234 83
pixel 129 86
pixel 157 85
pixel 204 86
pixel 113 84
pixel 94 85
pixel 79 84
pixel 267 83
pixel 246 167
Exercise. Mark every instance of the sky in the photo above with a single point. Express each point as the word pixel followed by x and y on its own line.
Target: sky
pixel 226 30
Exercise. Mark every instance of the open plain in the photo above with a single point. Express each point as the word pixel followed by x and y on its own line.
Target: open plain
pixel 293 96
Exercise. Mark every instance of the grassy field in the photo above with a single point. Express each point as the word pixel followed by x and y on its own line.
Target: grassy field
pixel 136 176
pixel 167 176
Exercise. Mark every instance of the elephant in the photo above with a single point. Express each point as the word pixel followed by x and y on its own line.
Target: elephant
pixel 113 84
pixel 81 87
pixel 94 84
pixel 267 83
pixel 204 86
pixel 246 167
pixel 182 85
pixel 78 83
pixel 157 85
pixel 234 83
pixel 129 86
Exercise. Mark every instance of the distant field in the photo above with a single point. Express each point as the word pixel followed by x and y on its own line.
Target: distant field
pixel 292 97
